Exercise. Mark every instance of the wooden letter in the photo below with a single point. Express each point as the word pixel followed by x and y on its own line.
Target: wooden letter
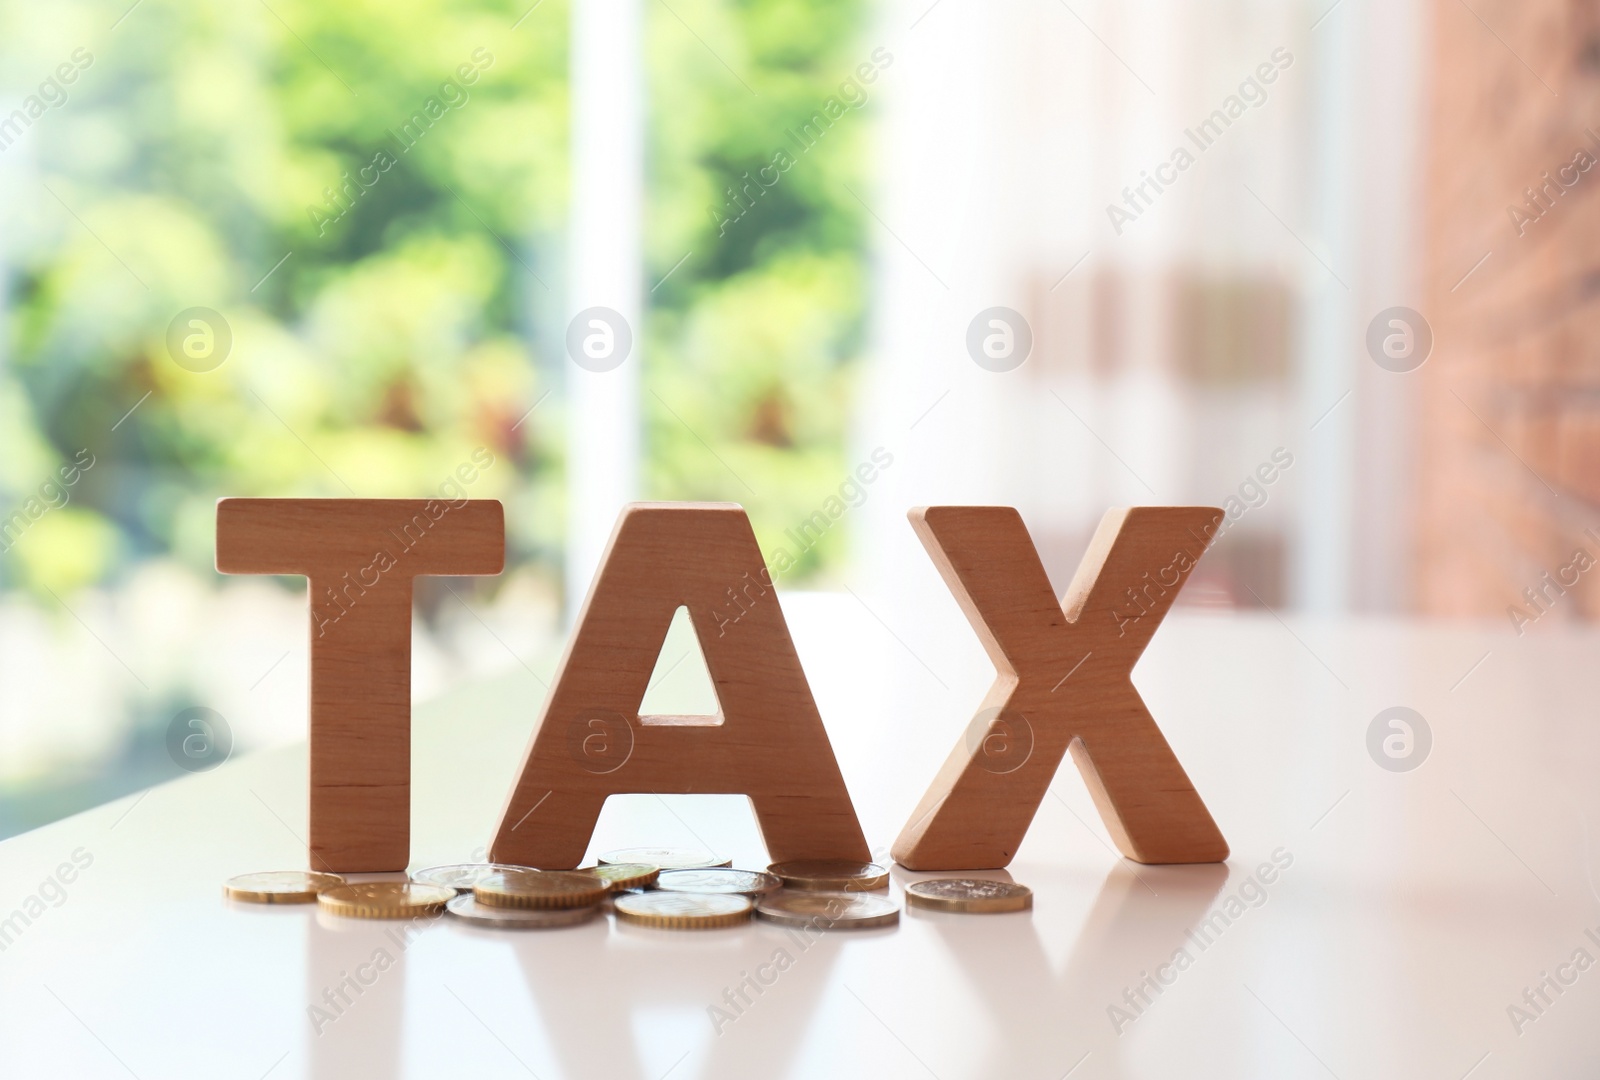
pixel 1064 681
pixel 766 742
pixel 360 556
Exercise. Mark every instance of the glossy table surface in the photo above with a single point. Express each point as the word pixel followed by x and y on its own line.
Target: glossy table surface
pixel 1430 922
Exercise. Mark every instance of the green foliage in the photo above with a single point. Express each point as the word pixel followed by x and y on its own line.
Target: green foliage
pixel 404 321
pixel 752 338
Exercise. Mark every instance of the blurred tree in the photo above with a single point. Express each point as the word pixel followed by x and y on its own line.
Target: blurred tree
pixel 372 196
pixel 353 188
pixel 756 254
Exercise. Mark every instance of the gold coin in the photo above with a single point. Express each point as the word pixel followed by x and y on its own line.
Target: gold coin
pixel 385 900
pixel 666 858
pixel 279 886
pixel 622 876
pixel 718 880
pixel 460 876
pixel 682 911
pixel 540 889
pixel 831 875
pixel 828 910
pixel 467 908
pixel 969 895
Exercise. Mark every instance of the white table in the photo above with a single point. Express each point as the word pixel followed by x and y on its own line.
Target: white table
pixel 1419 905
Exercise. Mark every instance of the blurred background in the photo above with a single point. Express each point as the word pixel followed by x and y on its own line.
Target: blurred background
pixel 1326 264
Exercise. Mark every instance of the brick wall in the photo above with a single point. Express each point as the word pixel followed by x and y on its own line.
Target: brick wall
pixel 1509 409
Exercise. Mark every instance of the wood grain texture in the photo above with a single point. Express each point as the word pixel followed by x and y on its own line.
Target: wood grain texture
pixel 360 556
pixel 766 742
pixel 1064 683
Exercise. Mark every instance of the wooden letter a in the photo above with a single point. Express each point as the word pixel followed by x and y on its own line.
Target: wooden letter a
pixel 766 742
pixel 1064 683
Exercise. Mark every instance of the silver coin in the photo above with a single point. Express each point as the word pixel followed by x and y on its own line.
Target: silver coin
pixel 667 858
pixel 831 875
pixel 718 880
pixel 466 907
pixel 969 895
pixel 828 910
pixel 460 876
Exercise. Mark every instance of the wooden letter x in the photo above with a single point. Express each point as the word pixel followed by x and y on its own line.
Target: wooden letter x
pixel 361 555
pixel 767 742
pixel 1064 682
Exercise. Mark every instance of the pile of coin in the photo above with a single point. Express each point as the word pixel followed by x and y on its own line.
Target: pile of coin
pixel 653 887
